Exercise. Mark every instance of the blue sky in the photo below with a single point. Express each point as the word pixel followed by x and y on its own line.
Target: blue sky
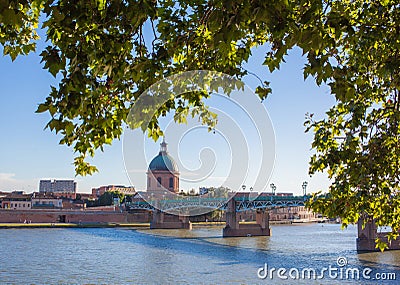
pixel 29 153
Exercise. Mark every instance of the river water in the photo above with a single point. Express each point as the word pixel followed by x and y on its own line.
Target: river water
pixel 199 256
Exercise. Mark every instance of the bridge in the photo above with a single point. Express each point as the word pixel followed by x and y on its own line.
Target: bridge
pixel 174 213
pixel 243 203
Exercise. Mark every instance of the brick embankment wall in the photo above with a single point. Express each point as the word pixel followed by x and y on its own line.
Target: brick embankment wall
pixel 70 216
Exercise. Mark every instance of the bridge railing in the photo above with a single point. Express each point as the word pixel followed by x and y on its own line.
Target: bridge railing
pixel 272 198
pixel 177 203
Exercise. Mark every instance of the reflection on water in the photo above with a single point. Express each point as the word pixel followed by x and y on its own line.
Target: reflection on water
pixel 200 256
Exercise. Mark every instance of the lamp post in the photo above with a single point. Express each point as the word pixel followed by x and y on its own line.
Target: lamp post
pixel 251 195
pixel 304 186
pixel 273 188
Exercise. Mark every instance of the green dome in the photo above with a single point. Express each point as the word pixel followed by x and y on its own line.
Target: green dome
pixel 163 161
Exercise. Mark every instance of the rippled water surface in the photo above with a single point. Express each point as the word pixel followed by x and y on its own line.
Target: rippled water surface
pixel 200 256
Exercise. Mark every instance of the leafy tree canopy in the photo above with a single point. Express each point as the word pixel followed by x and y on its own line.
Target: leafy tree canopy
pixel 107 199
pixel 105 60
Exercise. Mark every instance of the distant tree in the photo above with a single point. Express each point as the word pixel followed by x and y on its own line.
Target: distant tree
pixel 106 199
pixel 219 192
pixel 128 198
pixel 120 195
pixel 104 62
pixel 78 197
pixel 216 215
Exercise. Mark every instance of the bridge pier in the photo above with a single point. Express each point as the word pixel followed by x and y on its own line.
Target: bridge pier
pixel 234 229
pixel 368 234
pixel 161 220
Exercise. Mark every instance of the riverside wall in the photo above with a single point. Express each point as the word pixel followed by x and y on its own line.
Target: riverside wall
pixel 71 216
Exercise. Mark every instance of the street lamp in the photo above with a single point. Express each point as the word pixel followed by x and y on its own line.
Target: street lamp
pixel 304 186
pixel 273 188
pixel 251 195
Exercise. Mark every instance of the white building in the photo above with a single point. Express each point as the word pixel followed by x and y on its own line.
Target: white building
pixel 46 202
pixel 16 201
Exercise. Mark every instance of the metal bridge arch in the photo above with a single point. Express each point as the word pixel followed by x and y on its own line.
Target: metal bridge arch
pixel 241 203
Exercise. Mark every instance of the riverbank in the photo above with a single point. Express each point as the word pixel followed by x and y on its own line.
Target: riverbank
pixel 117 225
pixel 93 225
pixel 72 225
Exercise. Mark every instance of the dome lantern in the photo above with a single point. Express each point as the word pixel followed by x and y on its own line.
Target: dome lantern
pixel 163 148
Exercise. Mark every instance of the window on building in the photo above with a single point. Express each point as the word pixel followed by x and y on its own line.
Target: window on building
pixel 171 183
pixel 159 181
pixel 149 182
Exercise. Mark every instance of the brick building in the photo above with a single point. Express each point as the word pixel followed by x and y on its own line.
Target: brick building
pixel 163 173
pixel 127 190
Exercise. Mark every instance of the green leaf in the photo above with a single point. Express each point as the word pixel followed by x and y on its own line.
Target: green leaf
pixel 42 108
